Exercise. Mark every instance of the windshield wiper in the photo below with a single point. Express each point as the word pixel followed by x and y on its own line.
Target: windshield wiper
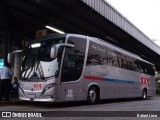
pixel 40 70
pixel 30 69
pixel 34 57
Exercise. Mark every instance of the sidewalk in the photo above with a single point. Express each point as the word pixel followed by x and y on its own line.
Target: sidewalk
pixel 12 101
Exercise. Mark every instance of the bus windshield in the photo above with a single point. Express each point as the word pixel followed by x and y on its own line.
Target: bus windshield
pixel 37 63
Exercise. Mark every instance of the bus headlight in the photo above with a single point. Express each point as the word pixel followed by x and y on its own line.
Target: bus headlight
pixel 49 86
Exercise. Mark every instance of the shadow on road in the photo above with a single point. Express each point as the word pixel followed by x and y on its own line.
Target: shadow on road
pixel 76 104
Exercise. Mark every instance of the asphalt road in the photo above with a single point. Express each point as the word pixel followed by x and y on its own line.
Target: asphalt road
pixel 119 109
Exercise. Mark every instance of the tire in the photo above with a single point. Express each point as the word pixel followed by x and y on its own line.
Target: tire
pixel 144 94
pixel 92 95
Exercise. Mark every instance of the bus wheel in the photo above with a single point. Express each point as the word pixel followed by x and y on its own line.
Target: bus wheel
pixel 144 94
pixel 92 95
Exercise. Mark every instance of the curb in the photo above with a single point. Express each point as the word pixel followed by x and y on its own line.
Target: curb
pixel 11 102
pixel 16 102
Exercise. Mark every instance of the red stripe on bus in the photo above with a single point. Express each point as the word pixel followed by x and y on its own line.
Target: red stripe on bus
pixel 93 78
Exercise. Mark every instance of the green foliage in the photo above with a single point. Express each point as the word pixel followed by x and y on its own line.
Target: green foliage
pixel 157 78
pixel 158 86
pixel 158 90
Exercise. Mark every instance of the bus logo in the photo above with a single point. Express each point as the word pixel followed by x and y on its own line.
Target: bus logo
pixel 144 81
pixel 38 86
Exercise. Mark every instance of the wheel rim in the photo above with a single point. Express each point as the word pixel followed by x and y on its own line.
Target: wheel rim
pixel 144 95
pixel 92 96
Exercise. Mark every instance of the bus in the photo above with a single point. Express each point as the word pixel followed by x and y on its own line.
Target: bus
pixel 72 67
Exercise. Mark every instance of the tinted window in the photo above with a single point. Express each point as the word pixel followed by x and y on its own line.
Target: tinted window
pixel 73 60
pixel 99 55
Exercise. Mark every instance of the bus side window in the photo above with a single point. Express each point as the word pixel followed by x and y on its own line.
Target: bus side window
pixel 73 60
pixel 68 66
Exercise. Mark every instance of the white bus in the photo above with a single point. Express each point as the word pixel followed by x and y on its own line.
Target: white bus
pixel 73 67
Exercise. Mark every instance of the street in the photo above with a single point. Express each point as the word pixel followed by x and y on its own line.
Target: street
pixel 113 109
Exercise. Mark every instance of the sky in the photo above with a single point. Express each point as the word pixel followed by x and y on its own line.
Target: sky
pixel 144 14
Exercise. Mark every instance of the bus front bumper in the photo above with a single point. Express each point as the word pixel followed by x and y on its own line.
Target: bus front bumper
pixel 38 99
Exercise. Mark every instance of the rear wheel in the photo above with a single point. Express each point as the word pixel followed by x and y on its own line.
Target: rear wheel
pixel 144 94
pixel 92 95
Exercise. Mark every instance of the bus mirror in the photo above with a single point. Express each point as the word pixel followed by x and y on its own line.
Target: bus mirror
pixel 53 52
pixel 55 48
pixel 9 57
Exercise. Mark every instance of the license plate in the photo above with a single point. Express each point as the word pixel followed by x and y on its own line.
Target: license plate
pixel 31 95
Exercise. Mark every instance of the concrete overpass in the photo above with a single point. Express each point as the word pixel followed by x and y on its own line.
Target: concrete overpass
pixel 19 20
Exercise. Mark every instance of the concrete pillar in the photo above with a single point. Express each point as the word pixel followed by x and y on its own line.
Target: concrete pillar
pixel 6 40
pixel 7 43
pixel 17 65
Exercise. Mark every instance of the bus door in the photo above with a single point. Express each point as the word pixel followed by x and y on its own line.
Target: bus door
pixel 72 67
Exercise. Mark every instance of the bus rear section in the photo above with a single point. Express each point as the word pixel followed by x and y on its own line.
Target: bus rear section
pixel 116 73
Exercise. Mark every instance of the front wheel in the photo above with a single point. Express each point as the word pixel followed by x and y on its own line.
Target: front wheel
pixel 92 95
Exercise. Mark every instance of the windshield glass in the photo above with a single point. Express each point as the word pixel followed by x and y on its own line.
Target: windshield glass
pixel 37 62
